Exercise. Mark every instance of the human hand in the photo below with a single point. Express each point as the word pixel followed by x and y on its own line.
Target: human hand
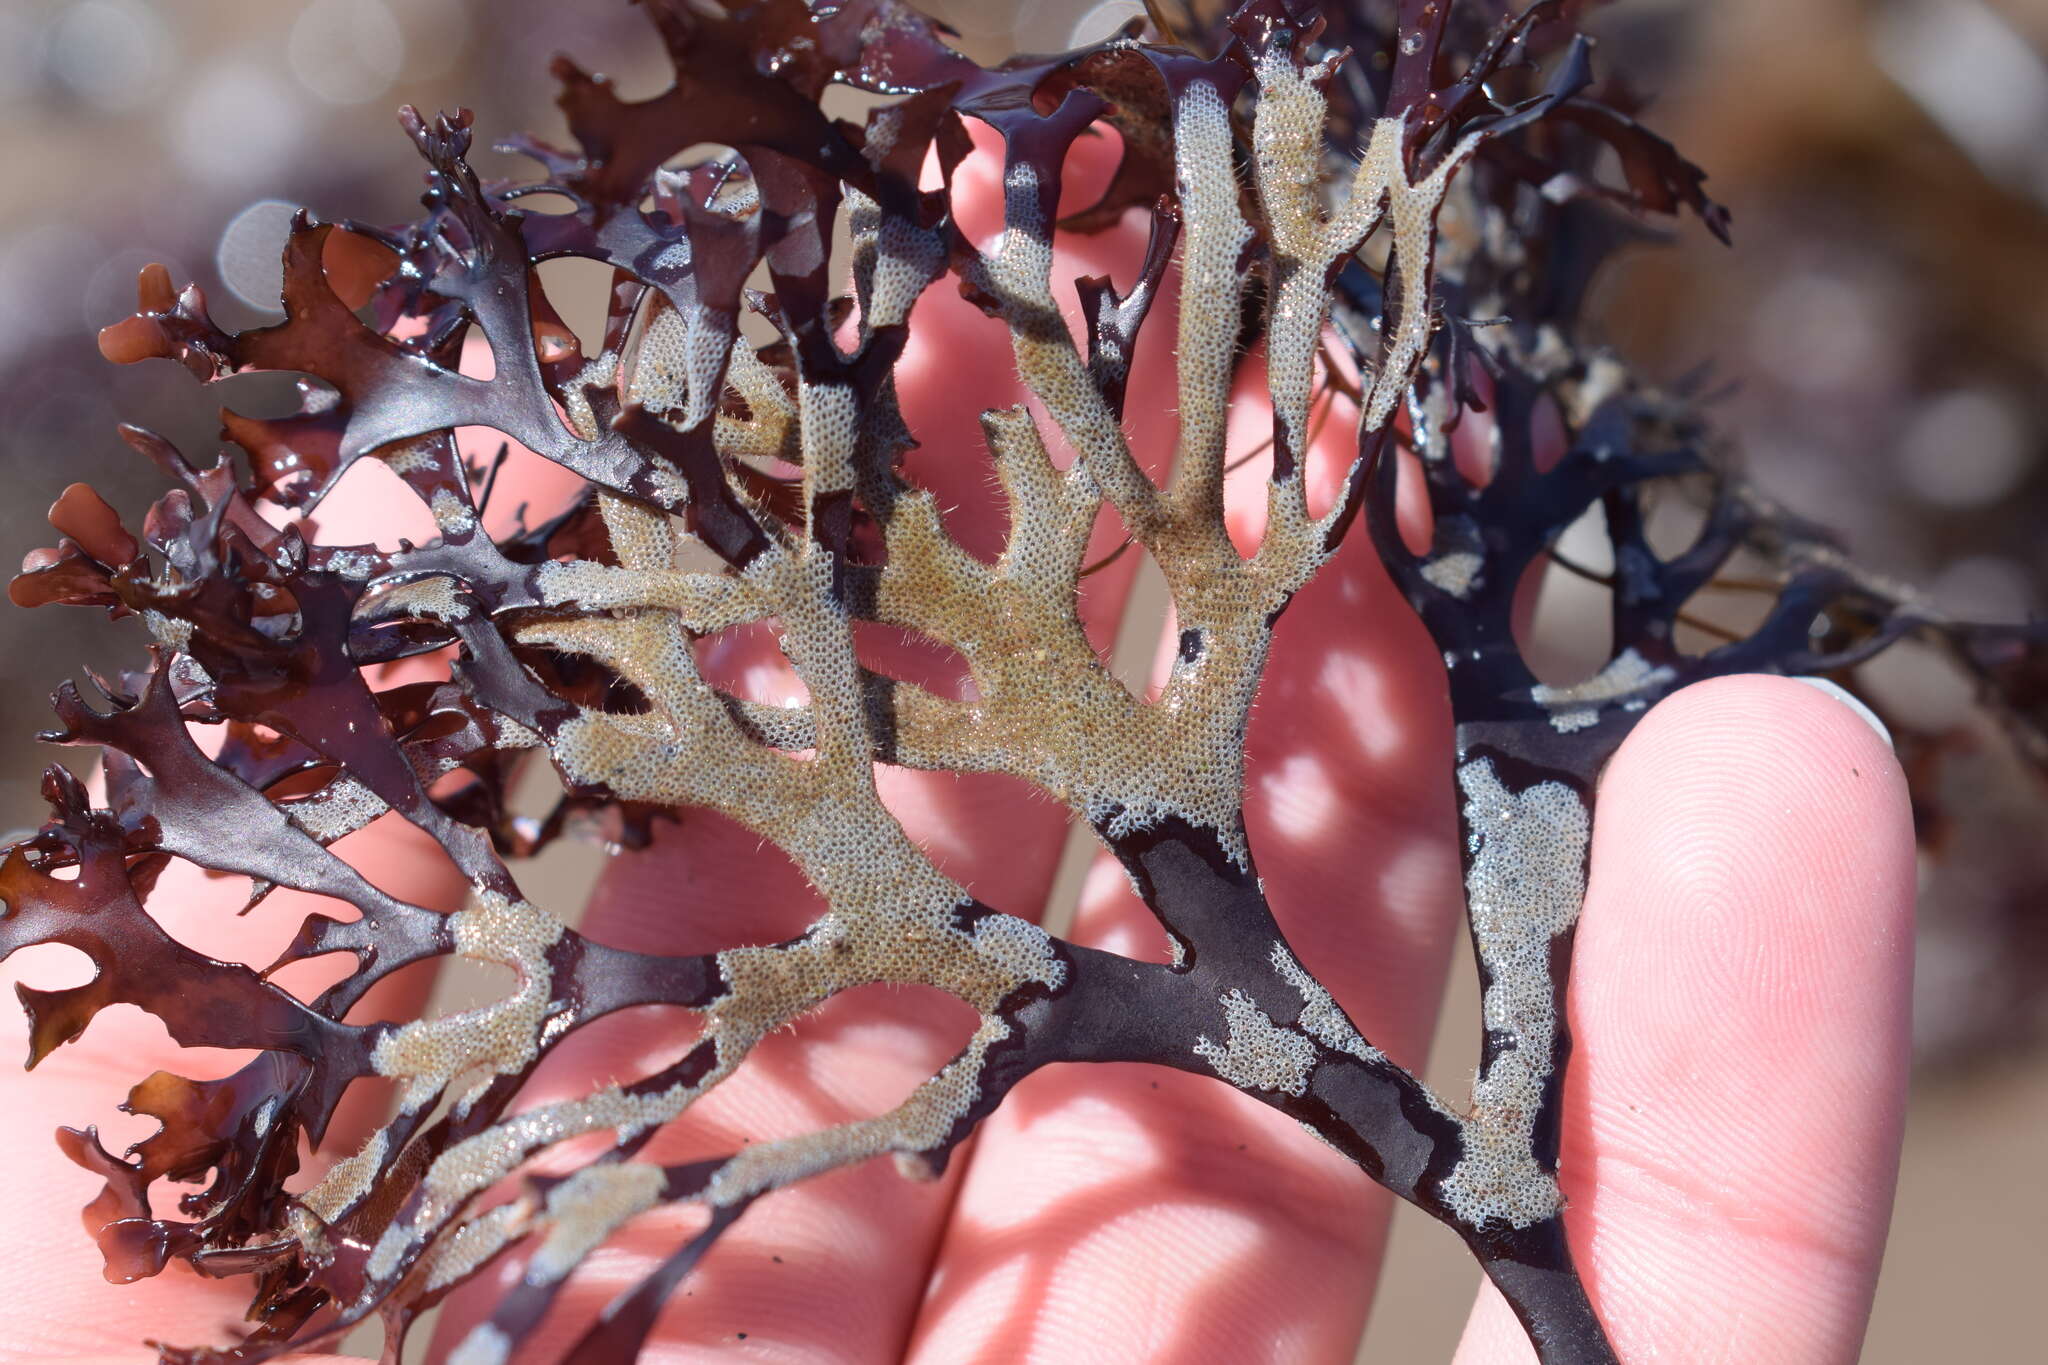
pixel 1738 1005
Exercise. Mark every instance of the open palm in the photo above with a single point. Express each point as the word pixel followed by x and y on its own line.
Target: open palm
pixel 1739 1003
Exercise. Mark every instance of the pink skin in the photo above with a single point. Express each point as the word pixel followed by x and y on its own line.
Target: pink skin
pixel 1739 1002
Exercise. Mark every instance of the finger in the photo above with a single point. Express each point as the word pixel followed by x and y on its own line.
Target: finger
pixel 836 1264
pixel 1125 1213
pixel 1739 1003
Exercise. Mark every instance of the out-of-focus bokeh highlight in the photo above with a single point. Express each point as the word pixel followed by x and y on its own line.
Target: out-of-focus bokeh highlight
pixel 1880 327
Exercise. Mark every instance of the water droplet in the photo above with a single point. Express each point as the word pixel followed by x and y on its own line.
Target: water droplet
pixel 1411 45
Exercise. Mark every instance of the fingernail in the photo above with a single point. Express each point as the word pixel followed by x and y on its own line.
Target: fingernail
pixel 1854 703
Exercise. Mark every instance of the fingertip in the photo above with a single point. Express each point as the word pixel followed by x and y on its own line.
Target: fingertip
pixel 1768 708
pixel 1781 775
pixel 1855 703
pixel 1752 889
pixel 1739 1002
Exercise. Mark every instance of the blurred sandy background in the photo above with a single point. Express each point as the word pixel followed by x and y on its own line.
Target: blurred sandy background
pixel 1883 317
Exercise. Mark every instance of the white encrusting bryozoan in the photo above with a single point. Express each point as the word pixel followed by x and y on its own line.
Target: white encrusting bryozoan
pixel 1321 1019
pixel 1625 678
pixel 172 632
pixel 1524 888
pixel 502 1036
pixel 347 1180
pixel 431 598
pixel 922 1123
pixel 1258 1054
pixel 452 514
pixel 459 1252
pixel 1456 573
pixel 585 1209
pixel 343 806
pixel 1042 707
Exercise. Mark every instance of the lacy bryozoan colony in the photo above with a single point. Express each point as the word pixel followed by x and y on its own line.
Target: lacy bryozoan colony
pixel 1392 211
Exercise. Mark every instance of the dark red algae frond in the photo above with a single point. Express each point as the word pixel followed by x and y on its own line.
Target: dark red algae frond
pixel 1266 170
